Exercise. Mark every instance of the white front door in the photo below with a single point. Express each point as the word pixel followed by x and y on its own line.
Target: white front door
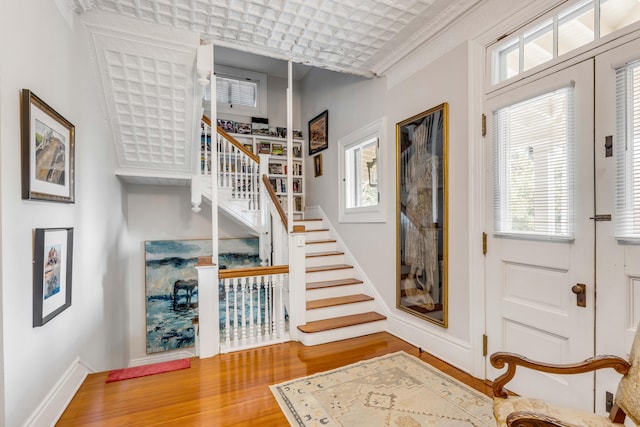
pixel 540 235
pixel 617 261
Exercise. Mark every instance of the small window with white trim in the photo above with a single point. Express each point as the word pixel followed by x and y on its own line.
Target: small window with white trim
pixel 239 92
pixel 360 183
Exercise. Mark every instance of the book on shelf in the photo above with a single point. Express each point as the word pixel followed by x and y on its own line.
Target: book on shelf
pixel 249 147
pixel 276 149
pixel 259 126
pixel 243 128
pixel 297 185
pixel 296 151
pixel 275 168
pixel 264 147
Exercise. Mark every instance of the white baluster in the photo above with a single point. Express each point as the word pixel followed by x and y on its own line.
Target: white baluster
pixel 259 308
pixel 227 322
pixel 252 330
pixel 236 287
pixel 244 310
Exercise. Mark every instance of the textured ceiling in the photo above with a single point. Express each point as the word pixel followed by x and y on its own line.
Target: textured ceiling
pixel 364 37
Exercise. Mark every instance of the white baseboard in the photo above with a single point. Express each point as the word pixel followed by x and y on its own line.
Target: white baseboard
pixel 164 357
pixel 444 347
pixel 57 400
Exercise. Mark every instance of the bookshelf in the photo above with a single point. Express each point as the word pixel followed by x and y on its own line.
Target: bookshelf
pixel 277 148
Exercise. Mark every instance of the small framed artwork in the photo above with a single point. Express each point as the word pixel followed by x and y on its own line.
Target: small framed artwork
pixel 319 133
pixel 47 151
pixel 52 268
pixel 317 165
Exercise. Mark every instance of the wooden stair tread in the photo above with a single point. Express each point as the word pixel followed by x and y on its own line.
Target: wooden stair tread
pixel 315 242
pixel 332 283
pixel 307 220
pixel 317 230
pixel 341 322
pixel 332 302
pixel 331 267
pixel 320 254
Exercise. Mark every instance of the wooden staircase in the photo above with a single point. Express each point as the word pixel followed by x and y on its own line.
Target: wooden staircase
pixel 337 305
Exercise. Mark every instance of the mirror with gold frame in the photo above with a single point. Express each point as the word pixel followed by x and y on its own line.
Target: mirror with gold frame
pixel 422 208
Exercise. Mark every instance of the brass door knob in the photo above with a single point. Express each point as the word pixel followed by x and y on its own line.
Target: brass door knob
pixel 577 289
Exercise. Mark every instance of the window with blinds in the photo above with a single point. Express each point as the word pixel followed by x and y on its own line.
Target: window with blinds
pixel 627 210
pixel 533 166
pixel 240 92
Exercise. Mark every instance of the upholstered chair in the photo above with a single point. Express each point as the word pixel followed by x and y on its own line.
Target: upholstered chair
pixel 516 411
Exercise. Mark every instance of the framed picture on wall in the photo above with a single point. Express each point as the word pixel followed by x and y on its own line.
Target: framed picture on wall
pixel 319 133
pixel 52 268
pixel 47 151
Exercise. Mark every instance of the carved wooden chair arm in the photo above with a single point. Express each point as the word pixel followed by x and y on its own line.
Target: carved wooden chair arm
pixel 534 419
pixel 499 360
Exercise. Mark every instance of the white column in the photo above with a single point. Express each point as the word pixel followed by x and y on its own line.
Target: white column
pixel 209 316
pixel 297 284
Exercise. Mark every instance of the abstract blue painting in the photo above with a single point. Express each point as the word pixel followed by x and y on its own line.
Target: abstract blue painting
pixel 171 285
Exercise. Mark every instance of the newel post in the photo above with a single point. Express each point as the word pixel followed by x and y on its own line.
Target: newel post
pixel 208 332
pixel 297 283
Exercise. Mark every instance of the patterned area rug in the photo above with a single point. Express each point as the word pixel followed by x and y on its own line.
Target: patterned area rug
pixel 396 390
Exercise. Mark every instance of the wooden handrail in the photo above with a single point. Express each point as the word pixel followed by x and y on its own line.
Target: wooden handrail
pixel 252 271
pixel 232 140
pixel 276 202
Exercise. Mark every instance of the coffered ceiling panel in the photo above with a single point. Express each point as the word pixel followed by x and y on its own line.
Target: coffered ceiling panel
pixel 363 37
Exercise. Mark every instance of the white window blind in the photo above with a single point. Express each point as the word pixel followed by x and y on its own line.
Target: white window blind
pixel 627 149
pixel 533 166
pixel 233 91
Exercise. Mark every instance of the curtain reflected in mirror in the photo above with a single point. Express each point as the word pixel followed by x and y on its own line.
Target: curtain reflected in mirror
pixel 421 153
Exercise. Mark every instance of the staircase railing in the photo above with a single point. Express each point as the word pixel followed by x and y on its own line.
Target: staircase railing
pixel 252 307
pixel 238 168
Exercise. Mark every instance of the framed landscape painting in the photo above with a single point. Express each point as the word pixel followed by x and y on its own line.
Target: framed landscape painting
pixel 319 133
pixel 47 151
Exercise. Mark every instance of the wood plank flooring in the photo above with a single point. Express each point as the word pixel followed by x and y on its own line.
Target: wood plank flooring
pixel 230 389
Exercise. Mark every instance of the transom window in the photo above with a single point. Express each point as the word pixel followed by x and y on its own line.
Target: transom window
pixel 533 166
pixel 567 30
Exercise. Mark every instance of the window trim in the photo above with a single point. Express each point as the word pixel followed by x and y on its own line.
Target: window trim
pixel 367 214
pixel 261 108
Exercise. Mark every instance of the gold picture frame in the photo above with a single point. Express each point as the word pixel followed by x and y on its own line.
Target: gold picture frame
pixel 422 215
pixel 47 151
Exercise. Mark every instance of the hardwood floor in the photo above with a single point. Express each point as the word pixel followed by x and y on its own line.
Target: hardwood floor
pixel 230 389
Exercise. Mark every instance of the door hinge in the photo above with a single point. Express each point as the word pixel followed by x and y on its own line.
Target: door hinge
pixel 484 125
pixel 485 344
pixel 484 243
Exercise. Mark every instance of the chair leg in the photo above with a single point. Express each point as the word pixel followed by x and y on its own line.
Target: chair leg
pixel 617 415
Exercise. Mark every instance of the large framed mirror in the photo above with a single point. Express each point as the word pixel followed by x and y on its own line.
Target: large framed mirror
pixel 422 209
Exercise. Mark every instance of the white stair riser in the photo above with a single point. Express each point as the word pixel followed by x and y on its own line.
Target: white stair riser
pixel 339 311
pixel 321 276
pixel 324 260
pixel 320 247
pixel 342 333
pixel 335 291
pixel 319 235
pixel 310 225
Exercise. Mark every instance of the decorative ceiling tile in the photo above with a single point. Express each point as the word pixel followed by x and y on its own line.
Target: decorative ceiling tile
pixel 377 32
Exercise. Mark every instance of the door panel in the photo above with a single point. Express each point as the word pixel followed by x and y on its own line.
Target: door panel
pixel 531 308
pixel 618 263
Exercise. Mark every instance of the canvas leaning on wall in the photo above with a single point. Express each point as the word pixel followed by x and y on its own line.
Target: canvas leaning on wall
pixel 171 285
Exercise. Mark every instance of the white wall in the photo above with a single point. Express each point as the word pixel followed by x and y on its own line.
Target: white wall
pixel 161 213
pixel 41 53
pixel 354 102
